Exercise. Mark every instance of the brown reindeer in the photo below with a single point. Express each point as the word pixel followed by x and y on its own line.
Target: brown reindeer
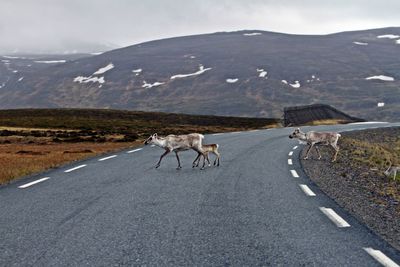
pixel 177 143
pixel 210 148
pixel 318 138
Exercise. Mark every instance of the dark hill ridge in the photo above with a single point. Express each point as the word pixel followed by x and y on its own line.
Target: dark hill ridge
pixel 224 74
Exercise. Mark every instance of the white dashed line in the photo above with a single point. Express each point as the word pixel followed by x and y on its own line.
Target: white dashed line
pixel 294 174
pixel 34 182
pixel 106 158
pixel 307 190
pixel 290 153
pixel 381 258
pixel 290 162
pixel 135 150
pixel 78 167
pixel 217 134
pixel 334 217
pixel 295 147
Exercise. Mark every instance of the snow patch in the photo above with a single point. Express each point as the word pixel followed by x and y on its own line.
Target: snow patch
pixel 50 61
pixel 252 34
pixel 360 43
pixel 15 71
pixel 150 85
pixel 137 71
pixel 10 57
pixel 83 79
pixel 262 72
pixel 20 79
pixel 104 69
pixel 381 77
pixel 381 104
pixel 284 81
pixel 96 53
pixel 389 36
pixel 296 84
pixel 200 71
pixel 232 80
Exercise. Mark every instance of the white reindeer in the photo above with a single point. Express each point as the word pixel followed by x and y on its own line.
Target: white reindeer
pixel 178 143
pixel 210 148
pixel 318 138
pixel 391 170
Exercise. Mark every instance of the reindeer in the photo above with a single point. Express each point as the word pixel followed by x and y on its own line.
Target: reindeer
pixel 177 143
pixel 391 170
pixel 210 148
pixel 317 138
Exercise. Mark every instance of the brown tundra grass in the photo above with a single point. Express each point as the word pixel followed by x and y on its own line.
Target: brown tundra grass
pixel 17 160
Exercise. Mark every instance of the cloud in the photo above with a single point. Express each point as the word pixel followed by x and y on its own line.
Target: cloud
pixel 43 25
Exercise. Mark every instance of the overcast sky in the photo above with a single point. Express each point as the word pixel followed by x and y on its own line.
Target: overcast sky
pixel 40 25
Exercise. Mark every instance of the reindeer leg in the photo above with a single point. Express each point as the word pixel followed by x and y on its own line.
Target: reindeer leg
pixel 336 148
pixel 163 155
pixel 394 174
pixel 204 160
pixel 208 160
pixel 179 162
pixel 217 158
pixel 197 158
pixel 308 151
pixel 319 154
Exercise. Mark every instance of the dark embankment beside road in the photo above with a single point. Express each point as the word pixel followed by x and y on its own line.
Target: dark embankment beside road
pixel 316 114
pixel 357 182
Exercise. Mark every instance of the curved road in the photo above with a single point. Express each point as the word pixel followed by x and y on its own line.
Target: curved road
pixel 252 210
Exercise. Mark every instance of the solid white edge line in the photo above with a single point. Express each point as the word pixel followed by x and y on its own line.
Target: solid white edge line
pixel 295 147
pixel 307 190
pixel 135 150
pixel 217 134
pixel 381 258
pixel 78 167
pixel 34 182
pixel 290 162
pixel 290 153
pixel 106 158
pixel 294 174
pixel 334 217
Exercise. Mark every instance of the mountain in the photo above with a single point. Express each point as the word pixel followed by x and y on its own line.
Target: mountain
pixel 243 73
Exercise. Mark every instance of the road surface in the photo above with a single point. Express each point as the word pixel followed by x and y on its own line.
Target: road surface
pixel 257 208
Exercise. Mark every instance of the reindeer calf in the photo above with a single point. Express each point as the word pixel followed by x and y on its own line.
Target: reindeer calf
pixel 207 149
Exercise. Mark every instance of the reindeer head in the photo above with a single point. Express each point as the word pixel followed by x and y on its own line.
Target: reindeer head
pixel 151 139
pixel 296 134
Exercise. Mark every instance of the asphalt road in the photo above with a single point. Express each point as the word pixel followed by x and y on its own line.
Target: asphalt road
pixel 121 211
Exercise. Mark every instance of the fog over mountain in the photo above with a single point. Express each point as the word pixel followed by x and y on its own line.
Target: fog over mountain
pixel 48 26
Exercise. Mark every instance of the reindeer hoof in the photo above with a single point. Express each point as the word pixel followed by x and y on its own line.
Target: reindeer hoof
pixel 157 166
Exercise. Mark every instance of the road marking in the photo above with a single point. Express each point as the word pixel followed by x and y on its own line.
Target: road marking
pixel 290 162
pixel 78 167
pixel 34 182
pixel 307 190
pixel 380 257
pixel 135 150
pixel 106 158
pixel 294 174
pixel 254 130
pixel 334 217
pixel 295 147
pixel 290 153
pixel 217 134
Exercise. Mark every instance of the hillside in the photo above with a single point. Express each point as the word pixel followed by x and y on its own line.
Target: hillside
pixel 244 73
